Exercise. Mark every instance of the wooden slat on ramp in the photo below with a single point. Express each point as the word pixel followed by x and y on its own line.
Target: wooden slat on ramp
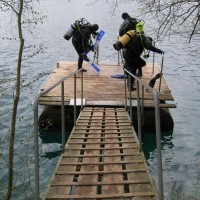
pixel 102 160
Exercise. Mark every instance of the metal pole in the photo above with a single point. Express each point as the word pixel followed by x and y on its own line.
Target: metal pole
pixel 118 54
pixel 125 93
pixel 81 90
pixel 118 58
pixel 130 100
pixel 74 99
pixel 153 61
pixel 142 108
pixel 139 117
pixel 97 54
pixel 36 151
pixel 158 142
pixel 161 71
pixel 63 117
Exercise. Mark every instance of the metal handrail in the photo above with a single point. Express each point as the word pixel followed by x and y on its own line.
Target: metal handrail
pixel 36 102
pixel 140 108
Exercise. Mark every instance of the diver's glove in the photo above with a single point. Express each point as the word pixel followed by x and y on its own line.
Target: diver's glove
pixel 95 34
pixel 161 52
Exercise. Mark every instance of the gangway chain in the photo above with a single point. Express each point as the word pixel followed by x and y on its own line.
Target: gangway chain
pixel 102 160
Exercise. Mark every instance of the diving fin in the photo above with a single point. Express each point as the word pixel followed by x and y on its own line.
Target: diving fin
pixel 153 80
pixel 93 65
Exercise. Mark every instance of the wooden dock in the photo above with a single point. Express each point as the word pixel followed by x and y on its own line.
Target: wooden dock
pixel 101 89
pixel 102 160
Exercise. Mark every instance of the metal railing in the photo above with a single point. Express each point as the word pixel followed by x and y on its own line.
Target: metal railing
pixel 140 110
pixel 36 123
pixel 140 113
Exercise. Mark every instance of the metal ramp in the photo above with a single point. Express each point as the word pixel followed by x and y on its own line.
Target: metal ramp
pixel 102 160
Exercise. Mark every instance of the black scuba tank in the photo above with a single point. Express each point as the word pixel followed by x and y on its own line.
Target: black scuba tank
pixel 71 30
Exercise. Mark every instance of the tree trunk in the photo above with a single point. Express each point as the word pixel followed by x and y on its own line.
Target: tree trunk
pixel 15 104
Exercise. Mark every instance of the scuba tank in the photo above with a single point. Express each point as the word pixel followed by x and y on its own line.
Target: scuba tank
pixel 139 28
pixel 140 32
pixel 121 43
pixel 78 24
pixel 71 30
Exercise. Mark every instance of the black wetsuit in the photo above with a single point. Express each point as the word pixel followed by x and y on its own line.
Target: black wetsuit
pixel 133 51
pixel 81 42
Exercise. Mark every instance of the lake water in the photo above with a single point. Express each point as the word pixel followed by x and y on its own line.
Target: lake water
pixel 180 147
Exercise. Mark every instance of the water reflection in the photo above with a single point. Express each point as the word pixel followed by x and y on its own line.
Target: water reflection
pixel 53 137
pixel 50 155
pixel 52 144
pixel 149 143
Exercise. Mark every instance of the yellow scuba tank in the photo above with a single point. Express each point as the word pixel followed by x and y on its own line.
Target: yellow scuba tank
pixel 124 40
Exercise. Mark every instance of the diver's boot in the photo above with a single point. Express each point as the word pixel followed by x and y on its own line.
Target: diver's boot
pixel 139 72
pixel 84 70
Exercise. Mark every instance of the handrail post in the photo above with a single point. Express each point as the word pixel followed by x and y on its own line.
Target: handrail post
pixel 74 99
pixel 36 151
pixel 139 117
pixel 125 93
pixel 158 142
pixel 63 117
pixel 97 54
pixel 161 71
pixel 142 108
pixel 118 58
pixel 153 61
pixel 118 54
pixel 81 90
pixel 130 100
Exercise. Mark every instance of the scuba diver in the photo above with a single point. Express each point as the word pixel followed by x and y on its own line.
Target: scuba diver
pixel 133 46
pixel 81 32
pixel 129 24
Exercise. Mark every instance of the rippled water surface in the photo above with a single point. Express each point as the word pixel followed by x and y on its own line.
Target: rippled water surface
pixel 180 147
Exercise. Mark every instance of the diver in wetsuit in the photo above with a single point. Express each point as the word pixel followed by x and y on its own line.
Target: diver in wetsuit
pixel 82 42
pixel 133 50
